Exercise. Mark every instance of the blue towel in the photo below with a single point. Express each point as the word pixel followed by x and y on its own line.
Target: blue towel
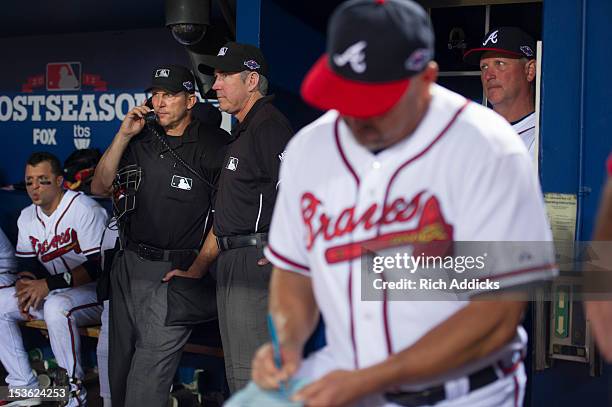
pixel 253 396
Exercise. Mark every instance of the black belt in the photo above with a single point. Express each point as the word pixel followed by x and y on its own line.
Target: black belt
pixel 151 253
pixel 436 394
pixel 236 242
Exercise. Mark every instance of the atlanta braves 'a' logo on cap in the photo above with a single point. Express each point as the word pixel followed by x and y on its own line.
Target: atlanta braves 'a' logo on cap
pixel 492 37
pixel 364 73
pixel 353 55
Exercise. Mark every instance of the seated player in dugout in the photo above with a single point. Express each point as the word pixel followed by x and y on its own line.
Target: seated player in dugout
pixel 507 64
pixel 58 259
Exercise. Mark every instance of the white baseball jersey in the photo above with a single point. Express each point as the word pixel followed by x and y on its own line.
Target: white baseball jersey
pixel 63 240
pixel 525 128
pixel 461 176
pixel 8 264
pixel 60 242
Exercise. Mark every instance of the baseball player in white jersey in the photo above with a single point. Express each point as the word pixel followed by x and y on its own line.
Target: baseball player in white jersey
pixel 8 264
pixel 109 240
pixel 525 128
pixel 58 258
pixel 398 159
pixel 507 70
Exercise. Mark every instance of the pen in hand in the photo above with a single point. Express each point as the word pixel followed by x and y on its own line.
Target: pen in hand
pixel 278 361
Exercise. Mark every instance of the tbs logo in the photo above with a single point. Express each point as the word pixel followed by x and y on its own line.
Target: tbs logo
pixel 81 136
pixel 44 136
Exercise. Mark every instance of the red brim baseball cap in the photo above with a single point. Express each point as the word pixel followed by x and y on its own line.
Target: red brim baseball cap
pixel 364 73
pixel 325 90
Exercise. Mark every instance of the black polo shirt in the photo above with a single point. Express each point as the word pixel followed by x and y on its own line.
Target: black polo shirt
pixel 249 177
pixel 172 204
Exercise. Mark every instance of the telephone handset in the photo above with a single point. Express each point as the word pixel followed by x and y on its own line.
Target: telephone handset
pixel 150 117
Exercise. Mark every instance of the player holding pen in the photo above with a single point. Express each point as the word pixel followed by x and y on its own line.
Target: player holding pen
pixel 396 157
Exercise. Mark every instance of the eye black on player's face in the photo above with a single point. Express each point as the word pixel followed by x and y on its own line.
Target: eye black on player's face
pixel 43 186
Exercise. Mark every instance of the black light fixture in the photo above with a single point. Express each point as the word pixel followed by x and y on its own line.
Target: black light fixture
pixel 188 20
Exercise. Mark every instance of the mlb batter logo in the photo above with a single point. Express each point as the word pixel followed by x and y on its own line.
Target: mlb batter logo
pixel 232 164
pixel 63 76
pixel 183 183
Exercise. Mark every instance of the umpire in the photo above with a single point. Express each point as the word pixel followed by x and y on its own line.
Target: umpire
pixel 171 165
pixel 244 204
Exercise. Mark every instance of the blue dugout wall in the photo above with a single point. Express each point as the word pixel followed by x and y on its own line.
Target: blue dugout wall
pixel 576 138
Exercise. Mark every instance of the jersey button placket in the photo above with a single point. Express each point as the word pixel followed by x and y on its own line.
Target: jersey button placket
pixel 373 179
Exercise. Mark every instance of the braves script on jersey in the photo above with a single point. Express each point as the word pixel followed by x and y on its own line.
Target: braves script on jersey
pixel 63 240
pixel 461 176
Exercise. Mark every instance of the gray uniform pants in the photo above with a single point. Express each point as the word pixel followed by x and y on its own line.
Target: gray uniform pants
pixel 143 353
pixel 242 302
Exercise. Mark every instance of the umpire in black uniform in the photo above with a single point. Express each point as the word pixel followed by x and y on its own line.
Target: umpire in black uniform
pixel 173 164
pixel 244 204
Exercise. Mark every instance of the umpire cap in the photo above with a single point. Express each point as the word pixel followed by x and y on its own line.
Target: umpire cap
pixel 173 78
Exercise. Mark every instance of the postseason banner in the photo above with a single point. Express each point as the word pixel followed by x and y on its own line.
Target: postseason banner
pixel 67 92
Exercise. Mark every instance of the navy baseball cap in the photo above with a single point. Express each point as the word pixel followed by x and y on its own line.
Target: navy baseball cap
pixel 236 57
pixel 374 48
pixel 173 78
pixel 511 41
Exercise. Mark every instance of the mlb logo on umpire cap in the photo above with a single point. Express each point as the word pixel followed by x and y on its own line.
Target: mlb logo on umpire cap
pixel 366 71
pixel 63 76
pixel 162 73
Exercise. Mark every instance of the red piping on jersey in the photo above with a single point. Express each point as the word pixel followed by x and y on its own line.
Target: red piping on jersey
pixel 352 326
pixel 544 267
pixel 26 253
pixel 350 262
pixel 346 161
pixel 38 217
pixel 65 210
pixel 72 342
pixel 93 249
pixel 286 260
pixel 386 318
pixel 516 391
pixel 452 121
